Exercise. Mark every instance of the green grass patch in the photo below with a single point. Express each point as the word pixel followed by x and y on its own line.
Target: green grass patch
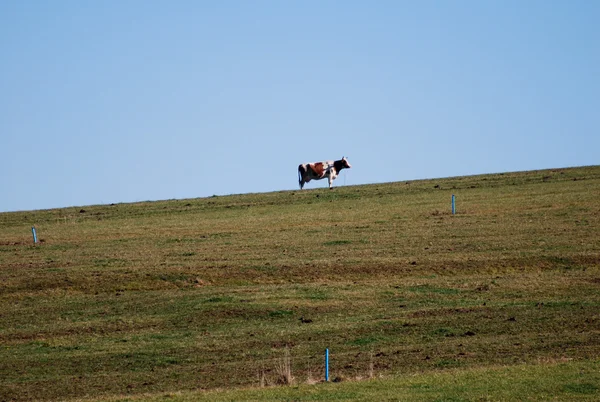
pixel 431 289
pixel 584 388
pixel 336 242
pixel 281 313
pixel 364 341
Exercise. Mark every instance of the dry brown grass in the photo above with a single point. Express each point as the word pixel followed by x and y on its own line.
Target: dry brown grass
pixel 283 368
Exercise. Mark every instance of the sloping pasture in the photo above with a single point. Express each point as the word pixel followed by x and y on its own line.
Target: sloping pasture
pixel 158 298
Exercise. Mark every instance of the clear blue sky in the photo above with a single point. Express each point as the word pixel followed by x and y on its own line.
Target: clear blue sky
pixel 119 101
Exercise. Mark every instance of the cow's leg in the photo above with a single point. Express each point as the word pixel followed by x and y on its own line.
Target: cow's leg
pixel 301 176
pixel 330 178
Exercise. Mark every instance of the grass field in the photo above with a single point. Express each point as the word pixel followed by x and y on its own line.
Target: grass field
pixel 205 298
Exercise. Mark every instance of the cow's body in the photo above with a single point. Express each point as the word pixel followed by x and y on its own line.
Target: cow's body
pixel 321 170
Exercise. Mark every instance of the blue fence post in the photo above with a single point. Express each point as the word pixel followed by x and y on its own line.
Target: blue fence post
pixel 453 205
pixel 34 234
pixel 326 365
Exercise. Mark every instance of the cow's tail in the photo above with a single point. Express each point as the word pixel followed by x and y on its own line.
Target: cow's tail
pixel 301 173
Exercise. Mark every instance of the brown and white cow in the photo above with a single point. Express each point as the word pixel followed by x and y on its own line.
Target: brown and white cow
pixel 321 170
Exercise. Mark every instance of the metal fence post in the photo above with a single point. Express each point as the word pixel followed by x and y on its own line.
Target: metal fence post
pixel 453 205
pixel 327 364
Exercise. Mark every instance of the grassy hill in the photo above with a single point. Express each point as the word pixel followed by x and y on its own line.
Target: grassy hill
pixel 208 297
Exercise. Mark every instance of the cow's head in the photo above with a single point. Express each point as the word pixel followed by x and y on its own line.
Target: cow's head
pixel 345 163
